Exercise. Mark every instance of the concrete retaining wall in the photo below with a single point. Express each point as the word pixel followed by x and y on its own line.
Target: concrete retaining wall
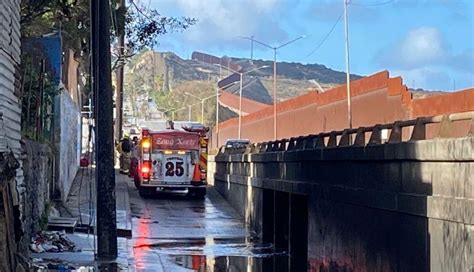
pixel 68 144
pixel 37 166
pixel 392 207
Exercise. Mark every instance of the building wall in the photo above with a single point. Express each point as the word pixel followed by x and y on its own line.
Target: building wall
pixel 66 124
pixel 10 126
pixel 11 191
pixel 68 142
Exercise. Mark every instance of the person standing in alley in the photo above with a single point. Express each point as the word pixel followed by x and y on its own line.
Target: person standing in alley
pixel 134 157
pixel 124 148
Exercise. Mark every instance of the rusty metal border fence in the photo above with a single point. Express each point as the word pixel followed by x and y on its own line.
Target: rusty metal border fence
pixel 343 138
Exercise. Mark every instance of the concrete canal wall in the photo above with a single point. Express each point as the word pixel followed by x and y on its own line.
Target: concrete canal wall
pixel 405 206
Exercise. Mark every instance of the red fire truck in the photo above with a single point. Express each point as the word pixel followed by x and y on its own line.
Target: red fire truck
pixel 173 160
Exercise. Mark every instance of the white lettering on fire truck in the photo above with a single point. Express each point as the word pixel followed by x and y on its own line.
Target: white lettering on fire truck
pixel 177 141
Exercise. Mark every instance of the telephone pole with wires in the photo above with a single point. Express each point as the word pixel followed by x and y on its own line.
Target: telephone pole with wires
pixel 103 113
pixel 120 29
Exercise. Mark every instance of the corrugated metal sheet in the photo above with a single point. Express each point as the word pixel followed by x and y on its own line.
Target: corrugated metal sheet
pixel 10 128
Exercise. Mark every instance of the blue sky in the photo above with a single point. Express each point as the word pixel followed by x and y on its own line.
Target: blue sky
pixel 430 43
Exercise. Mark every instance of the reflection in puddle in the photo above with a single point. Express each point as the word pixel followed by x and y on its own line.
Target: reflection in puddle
pixel 239 247
pixel 209 254
pixel 227 263
pixel 177 234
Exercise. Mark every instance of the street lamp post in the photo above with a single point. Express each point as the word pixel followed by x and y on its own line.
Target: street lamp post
pixel 202 103
pixel 240 91
pixel 217 110
pixel 274 48
pixel 202 111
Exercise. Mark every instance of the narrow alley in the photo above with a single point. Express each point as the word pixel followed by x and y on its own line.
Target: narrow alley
pixel 172 232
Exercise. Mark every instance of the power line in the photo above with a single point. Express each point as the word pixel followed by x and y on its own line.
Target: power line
pixel 324 39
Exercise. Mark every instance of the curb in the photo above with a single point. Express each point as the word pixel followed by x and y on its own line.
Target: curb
pixel 124 217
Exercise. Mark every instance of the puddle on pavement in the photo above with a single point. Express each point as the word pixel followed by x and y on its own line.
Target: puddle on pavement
pixel 230 263
pixel 223 254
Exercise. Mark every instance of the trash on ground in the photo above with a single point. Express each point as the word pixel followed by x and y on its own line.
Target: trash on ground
pixel 45 265
pixel 52 241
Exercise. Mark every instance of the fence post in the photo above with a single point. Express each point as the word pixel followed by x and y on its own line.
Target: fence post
pixel 419 130
pixel 376 137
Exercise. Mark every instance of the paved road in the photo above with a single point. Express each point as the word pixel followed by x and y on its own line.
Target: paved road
pixel 175 233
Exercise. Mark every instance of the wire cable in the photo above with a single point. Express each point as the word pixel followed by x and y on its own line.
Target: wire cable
pixel 324 39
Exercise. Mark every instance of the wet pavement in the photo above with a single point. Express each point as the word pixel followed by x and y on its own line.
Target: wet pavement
pixel 172 232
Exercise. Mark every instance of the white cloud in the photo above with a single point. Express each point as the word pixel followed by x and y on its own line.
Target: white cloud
pixel 425 46
pixel 421 46
pixel 221 22
pixel 424 58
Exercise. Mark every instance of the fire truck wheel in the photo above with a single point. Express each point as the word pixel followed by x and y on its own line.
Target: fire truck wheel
pixel 136 181
pixel 198 193
pixel 146 191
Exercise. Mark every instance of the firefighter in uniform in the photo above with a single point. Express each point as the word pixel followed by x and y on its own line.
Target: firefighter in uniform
pixel 124 148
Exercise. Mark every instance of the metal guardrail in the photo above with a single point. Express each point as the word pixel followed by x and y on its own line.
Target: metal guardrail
pixel 343 138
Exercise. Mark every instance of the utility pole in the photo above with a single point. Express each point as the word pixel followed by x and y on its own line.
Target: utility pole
pixel 102 86
pixel 274 48
pixel 202 111
pixel 348 81
pixel 275 94
pixel 240 106
pixel 251 47
pixel 217 117
pixel 120 11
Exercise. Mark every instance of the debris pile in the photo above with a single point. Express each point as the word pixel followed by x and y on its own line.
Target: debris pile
pixel 44 265
pixel 52 242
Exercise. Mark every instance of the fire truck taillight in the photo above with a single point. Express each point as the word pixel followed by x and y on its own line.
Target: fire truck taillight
pixel 146 169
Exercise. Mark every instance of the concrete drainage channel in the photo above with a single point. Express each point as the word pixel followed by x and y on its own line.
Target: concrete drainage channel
pixel 285 225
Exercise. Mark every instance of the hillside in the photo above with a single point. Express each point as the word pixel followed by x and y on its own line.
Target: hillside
pixel 166 78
